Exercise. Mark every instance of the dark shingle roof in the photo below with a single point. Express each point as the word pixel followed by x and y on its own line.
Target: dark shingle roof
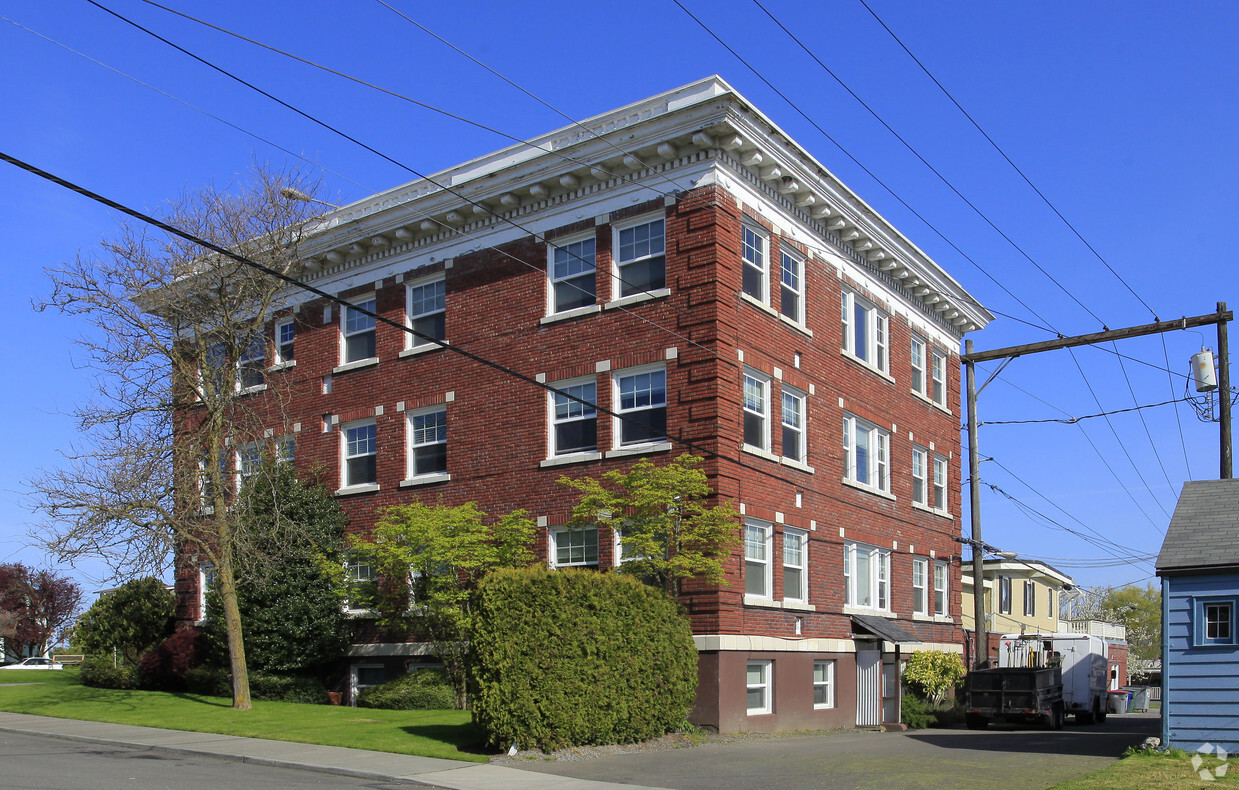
pixel 1204 531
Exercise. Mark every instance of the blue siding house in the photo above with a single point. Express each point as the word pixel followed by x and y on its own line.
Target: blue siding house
pixel 1199 569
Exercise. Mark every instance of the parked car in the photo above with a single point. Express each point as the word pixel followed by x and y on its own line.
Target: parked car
pixel 36 663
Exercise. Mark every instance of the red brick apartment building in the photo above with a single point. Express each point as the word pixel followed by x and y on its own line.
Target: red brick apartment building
pixel 682 261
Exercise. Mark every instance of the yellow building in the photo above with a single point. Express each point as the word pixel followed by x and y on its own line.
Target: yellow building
pixel 1021 596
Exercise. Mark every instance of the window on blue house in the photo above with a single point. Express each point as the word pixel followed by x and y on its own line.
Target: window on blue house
pixel 1215 621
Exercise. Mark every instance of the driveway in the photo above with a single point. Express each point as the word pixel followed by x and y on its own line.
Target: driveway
pixel 932 759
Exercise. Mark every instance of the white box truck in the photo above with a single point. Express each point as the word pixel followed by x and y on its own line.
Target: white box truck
pixel 1040 678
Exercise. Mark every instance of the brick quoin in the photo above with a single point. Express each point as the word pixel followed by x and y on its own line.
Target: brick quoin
pixel 706 334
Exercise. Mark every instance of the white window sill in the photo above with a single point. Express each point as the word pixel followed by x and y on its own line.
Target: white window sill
pixel 794 464
pixel 423 480
pixel 575 458
pixel 588 309
pixel 933 618
pixel 644 449
pixel 760 305
pixel 364 488
pixel 361 614
pixel 823 707
pixel 865 610
pixel 794 324
pixel 868 489
pixel 867 365
pixel 760 453
pixel 422 349
pixel 252 390
pixel 930 510
pixel 758 713
pixel 923 396
pixel 357 365
pixel 645 296
pixel 770 603
pixel 278 366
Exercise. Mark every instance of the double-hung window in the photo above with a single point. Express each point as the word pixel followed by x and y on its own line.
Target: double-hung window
pixel 939 377
pixel 358 331
pixel 360 454
pixel 866 454
pixel 251 363
pixel 285 335
pixel 361 584
pixel 756 410
pixel 795 565
pixel 1004 594
pixel 940 588
pixel 823 684
pixel 641 400
pixel 940 470
pixel 920 482
pixel 425 304
pixel 920 585
pixel 757 559
pixel 574 424
pixel 919 379
pixel 866 576
pixel 574 548
pixel 1030 598
pixel 249 461
pixel 571 270
pixel 206 580
pixel 758 683
pixel 755 247
pixel 1214 621
pixel 791 287
pixel 794 445
pixel 865 332
pixel 640 258
pixel 286 450
pixel 427 452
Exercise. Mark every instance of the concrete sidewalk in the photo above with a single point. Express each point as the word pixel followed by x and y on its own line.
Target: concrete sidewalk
pixel 452 774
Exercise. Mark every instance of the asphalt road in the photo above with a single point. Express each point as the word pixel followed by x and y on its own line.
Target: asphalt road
pixel 30 762
pixel 1005 757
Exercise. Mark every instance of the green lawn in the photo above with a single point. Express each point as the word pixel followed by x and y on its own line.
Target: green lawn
pixel 1157 771
pixel 428 733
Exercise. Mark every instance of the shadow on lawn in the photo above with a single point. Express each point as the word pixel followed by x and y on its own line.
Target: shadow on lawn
pixel 467 737
pixel 215 702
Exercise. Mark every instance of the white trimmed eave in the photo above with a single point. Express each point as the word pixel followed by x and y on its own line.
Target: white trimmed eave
pixel 664 143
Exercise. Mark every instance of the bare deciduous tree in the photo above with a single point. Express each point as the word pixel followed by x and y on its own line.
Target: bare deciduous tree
pixel 178 348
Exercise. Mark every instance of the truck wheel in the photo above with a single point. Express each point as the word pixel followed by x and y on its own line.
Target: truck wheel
pixel 975 722
pixel 1057 716
pixel 1101 712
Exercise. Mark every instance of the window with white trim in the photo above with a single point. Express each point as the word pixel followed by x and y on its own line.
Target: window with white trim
pixel 360 449
pixel 865 329
pixel 570 269
pixel 285 341
pixel 1004 595
pixel 252 363
pixel 920 586
pixel 357 331
pixel 757 559
pixel 866 576
pixel 1213 621
pixel 866 454
pixel 795 446
pixel 940 471
pixel 249 461
pixel 641 403
pixel 791 286
pixel 920 482
pixel 919 380
pixel 425 312
pixel 427 452
pixel 941 579
pixel 640 258
pixel 213 372
pixel 206 485
pixel 361 584
pixel 1030 598
pixel 574 548
pixel 574 425
pixel 206 580
pixel 756 246
pixel 939 377
pixel 285 450
pixel 1050 609
pixel 756 410
pixel 795 565
pixel 823 684
pixel 758 683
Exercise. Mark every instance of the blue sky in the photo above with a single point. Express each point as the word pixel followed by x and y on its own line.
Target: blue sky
pixel 1122 113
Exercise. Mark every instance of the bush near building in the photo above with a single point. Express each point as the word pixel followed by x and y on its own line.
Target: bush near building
pixel 422 689
pixel 570 657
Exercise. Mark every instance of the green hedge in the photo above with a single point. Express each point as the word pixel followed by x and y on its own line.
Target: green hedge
pixel 422 689
pixel 98 671
pixel 570 657
pixel 217 682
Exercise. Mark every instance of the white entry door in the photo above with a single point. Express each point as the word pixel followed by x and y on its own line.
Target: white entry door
pixel 868 687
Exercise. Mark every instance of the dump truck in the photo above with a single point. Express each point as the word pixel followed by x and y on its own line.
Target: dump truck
pixel 1040 679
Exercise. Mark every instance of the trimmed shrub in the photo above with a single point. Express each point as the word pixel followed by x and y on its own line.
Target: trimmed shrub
pixel 209 682
pixel 421 689
pixel 98 671
pixel 287 688
pixel 164 667
pixel 571 657
pixel 916 712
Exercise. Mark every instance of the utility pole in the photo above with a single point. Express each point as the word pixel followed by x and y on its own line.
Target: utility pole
pixel 980 638
pixel 1223 385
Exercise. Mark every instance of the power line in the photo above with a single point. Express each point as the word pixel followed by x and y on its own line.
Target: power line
pixel 1074 420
